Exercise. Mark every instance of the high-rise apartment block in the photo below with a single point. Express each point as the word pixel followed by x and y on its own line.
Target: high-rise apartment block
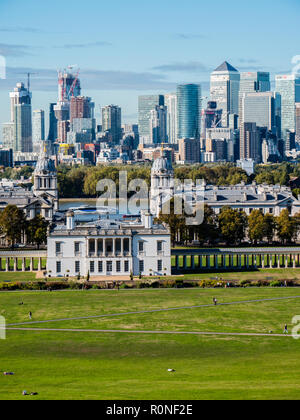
pixel 112 122
pixel 172 124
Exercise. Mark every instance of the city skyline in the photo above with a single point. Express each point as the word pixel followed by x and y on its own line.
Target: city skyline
pixel 117 69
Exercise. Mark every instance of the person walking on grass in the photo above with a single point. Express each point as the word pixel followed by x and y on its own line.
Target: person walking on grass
pixel 215 301
pixel 30 316
pixel 286 331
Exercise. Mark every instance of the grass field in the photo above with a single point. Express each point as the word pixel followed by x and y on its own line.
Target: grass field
pixel 95 365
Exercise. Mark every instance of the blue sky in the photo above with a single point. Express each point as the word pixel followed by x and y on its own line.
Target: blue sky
pixel 125 49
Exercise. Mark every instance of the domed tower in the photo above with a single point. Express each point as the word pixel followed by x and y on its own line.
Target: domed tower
pixel 162 184
pixel 45 178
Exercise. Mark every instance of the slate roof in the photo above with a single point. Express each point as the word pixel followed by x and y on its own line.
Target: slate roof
pixel 226 67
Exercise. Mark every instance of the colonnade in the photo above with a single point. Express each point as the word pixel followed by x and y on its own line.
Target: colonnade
pixel 231 260
pixel 118 247
pixel 15 264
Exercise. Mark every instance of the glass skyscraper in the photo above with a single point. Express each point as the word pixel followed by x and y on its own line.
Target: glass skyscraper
pixel 189 105
pixel 146 104
pixel 288 87
pixel 224 89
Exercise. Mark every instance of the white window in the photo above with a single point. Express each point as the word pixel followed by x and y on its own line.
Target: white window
pixel 109 266
pixel 58 267
pixel 58 247
pixel 118 266
pixel 141 246
pixel 77 266
pixel 77 248
pixel 159 246
pixel 126 266
pixel 92 266
pixel 100 266
pixel 141 266
pixel 159 265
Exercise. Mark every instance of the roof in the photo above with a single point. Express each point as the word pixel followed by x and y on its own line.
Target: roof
pixel 226 67
pixel 162 164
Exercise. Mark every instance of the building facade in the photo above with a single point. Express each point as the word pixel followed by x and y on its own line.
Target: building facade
pixel 189 107
pixel 108 248
pixel 224 89
pixel 146 104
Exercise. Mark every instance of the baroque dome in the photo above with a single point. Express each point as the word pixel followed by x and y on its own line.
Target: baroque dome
pixel 45 164
pixel 162 164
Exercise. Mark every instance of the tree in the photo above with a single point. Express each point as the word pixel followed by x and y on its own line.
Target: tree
pixel 286 226
pixel 256 223
pixel 13 224
pixel 208 230
pixel 232 225
pixel 176 222
pixel 36 231
pixel 269 227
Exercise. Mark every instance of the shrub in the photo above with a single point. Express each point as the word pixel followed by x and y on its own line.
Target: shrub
pixel 276 283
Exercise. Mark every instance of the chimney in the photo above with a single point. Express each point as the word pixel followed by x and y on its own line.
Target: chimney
pixel 70 220
pixel 148 221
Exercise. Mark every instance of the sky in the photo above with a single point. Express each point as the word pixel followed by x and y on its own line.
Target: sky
pixel 129 48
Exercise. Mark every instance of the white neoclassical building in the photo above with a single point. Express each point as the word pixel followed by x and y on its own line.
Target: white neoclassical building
pixel 109 248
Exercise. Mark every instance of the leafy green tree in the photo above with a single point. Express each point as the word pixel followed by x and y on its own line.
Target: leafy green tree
pixel 256 224
pixel 36 231
pixel 286 226
pixel 13 224
pixel 232 225
pixel 208 230
pixel 269 227
pixel 176 223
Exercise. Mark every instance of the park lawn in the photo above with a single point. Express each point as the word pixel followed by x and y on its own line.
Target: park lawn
pixel 66 365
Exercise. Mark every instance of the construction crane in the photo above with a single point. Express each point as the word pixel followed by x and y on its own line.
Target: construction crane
pixel 74 84
pixel 28 74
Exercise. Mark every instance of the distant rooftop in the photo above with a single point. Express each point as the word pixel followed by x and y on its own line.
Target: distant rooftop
pixel 226 67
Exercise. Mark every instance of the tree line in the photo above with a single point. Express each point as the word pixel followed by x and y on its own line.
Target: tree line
pixel 81 181
pixel 233 227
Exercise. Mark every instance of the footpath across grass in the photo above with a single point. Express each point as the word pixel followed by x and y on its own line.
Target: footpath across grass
pixel 89 365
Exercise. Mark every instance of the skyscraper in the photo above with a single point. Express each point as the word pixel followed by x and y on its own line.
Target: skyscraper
pixel 146 104
pixel 189 104
pixel 224 89
pixel 52 135
pixel 259 107
pixel 298 122
pixel 38 126
pixel 288 87
pixel 158 125
pixel 21 116
pixel 172 126
pixel 250 143
pixel 112 122
pixel 81 107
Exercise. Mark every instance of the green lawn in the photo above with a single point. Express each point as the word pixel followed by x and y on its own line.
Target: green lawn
pixel 87 365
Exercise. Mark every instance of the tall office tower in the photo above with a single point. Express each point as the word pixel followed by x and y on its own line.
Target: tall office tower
pixel 288 87
pixel 171 104
pixel 189 104
pixel 211 117
pixel 81 107
pixel 252 82
pixel 158 125
pixel 259 107
pixel 250 143
pixel 224 89
pixel 146 104
pixel 38 126
pixel 21 116
pixel 298 122
pixel 189 151
pixel 112 122
pixel 19 96
pixel 8 135
pixel 52 135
